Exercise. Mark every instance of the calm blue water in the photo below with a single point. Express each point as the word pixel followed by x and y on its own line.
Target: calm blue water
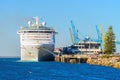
pixel 12 69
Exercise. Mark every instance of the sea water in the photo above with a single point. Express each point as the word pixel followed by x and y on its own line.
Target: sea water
pixel 13 69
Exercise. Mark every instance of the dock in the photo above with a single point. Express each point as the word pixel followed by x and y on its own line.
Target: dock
pixel 102 59
pixel 75 58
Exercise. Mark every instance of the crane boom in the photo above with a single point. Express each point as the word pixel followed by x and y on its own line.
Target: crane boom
pixel 99 36
pixel 103 35
pixel 98 33
pixel 75 33
pixel 72 39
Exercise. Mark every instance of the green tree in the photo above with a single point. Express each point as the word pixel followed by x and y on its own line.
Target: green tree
pixel 109 42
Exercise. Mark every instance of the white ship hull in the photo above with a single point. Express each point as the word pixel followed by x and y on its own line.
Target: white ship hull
pixel 42 52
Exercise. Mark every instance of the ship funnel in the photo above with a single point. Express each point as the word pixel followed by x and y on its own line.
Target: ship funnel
pixel 36 21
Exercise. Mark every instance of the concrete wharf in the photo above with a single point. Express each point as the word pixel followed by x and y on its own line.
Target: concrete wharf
pixel 75 58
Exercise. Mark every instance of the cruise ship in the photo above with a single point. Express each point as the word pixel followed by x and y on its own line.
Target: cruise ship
pixel 37 41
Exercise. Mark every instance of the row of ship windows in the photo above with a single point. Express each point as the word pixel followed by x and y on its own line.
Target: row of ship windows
pixel 42 41
pixel 38 32
pixel 36 39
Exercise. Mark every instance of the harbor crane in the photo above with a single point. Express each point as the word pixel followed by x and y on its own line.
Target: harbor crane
pixel 99 36
pixel 75 38
pixel 102 35
pixel 71 35
pixel 74 33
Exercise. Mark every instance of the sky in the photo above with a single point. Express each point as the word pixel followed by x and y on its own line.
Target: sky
pixel 86 14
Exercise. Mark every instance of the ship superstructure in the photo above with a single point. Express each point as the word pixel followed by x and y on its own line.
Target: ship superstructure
pixel 89 47
pixel 37 41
